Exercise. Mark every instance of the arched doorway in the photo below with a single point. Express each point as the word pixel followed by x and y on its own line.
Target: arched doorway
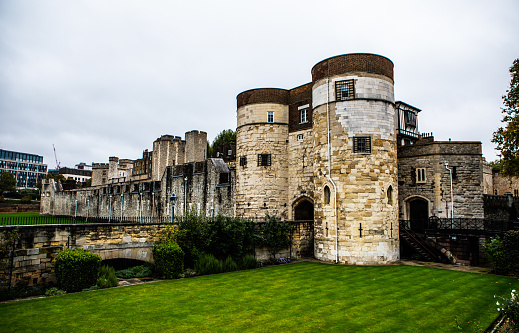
pixel 304 210
pixel 418 214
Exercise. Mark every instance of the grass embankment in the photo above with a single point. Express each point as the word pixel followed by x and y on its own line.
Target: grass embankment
pixel 301 297
pixel 33 219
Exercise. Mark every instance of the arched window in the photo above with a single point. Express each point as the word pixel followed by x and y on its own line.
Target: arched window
pixel 326 195
pixel 390 195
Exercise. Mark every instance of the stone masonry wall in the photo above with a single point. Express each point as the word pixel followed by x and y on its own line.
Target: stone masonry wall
pixel 467 181
pixel 38 246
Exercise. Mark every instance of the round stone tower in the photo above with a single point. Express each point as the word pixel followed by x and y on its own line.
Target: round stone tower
pixel 261 153
pixel 355 160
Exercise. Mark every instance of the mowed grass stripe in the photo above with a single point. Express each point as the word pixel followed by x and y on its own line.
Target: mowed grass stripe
pixel 302 297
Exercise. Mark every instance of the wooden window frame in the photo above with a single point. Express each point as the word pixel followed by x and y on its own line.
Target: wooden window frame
pixel 344 90
pixel 264 160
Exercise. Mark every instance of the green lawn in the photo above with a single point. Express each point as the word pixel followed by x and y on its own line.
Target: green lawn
pixel 33 218
pixel 300 297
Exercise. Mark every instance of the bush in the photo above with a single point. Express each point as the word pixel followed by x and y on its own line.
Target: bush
pixel 276 235
pixel 496 254
pixel 208 264
pixel 169 259
pixel 229 265
pixel 509 307
pixel 248 262
pixel 107 278
pixel 134 272
pixel 2 199
pixel 54 292
pixel 76 269
pixel 511 250
pixel 26 200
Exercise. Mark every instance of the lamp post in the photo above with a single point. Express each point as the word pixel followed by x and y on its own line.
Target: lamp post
pixel 173 200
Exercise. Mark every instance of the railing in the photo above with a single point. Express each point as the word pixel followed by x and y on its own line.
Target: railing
pixel 462 225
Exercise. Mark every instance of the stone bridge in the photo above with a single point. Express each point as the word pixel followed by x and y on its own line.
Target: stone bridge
pixel 33 260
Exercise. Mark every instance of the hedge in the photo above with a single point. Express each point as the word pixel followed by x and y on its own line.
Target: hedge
pixel 77 269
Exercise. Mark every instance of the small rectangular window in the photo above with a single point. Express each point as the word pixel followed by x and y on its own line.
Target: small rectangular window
pixel 344 90
pixel 270 117
pixel 303 116
pixel 420 175
pixel 264 160
pixel 300 137
pixel 229 152
pixel 243 161
pixel 362 144
pixel 516 193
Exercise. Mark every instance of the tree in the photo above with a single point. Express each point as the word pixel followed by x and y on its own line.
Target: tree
pixel 507 138
pixel 224 137
pixel 7 182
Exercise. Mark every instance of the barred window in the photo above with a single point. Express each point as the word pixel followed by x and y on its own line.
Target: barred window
pixel 362 144
pixel 263 159
pixel 243 161
pixel 344 90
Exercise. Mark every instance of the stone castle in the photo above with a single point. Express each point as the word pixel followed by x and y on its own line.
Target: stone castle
pixel 339 151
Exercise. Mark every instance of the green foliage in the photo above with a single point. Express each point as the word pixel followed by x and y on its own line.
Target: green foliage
pixel 208 264
pixel 94 287
pixel 507 138
pixel 76 269
pixel 224 137
pixel 134 272
pixel 495 253
pixel 276 235
pixel 229 265
pixel 8 239
pixel 26 200
pixel 7 182
pixel 169 259
pixel 509 307
pixel 54 292
pixel 21 292
pixel 511 249
pixel 107 278
pixel 2 198
pixel 248 262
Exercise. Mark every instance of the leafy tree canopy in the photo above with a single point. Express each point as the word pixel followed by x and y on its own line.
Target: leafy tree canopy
pixel 507 138
pixel 7 182
pixel 224 137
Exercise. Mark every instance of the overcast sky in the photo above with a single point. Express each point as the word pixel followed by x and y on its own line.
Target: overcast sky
pixel 107 78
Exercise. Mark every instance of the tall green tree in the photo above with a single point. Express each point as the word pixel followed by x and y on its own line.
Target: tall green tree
pixel 507 138
pixel 7 182
pixel 224 137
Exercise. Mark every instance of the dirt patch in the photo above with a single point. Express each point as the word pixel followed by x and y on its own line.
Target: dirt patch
pixel 19 208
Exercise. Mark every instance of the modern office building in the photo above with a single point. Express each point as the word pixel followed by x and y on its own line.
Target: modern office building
pixel 27 168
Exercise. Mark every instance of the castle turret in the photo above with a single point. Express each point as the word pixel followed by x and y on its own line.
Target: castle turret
pixel 355 164
pixel 261 151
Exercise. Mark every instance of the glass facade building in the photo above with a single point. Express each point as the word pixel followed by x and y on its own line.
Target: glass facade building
pixel 27 168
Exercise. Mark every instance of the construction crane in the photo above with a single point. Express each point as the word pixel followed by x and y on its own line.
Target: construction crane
pixel 56 157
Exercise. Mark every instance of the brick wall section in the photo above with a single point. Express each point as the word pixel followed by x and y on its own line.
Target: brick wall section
pixel 300 96
pixel 467 186
pixel 263 95
pixel 356 62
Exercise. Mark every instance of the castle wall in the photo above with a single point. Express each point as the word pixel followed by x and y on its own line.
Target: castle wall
pixel 467 182
pixel 196 146
pixel 367 224
pixel 262 189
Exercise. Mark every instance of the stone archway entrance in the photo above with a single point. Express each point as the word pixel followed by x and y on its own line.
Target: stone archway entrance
pixel 304 210
pixel 418 214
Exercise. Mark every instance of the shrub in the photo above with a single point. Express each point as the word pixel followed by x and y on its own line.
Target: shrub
pixel 107 278
pixel 276 235
pixel 229 265
pixel 169 259
pixel 208 264
pixel 54 292
pixel 76 269
pixel 134 272
pixel 496 254
pixel 511 249
pixel 2 199
pixel 248 262
pixel 509 307
pixel 26 200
